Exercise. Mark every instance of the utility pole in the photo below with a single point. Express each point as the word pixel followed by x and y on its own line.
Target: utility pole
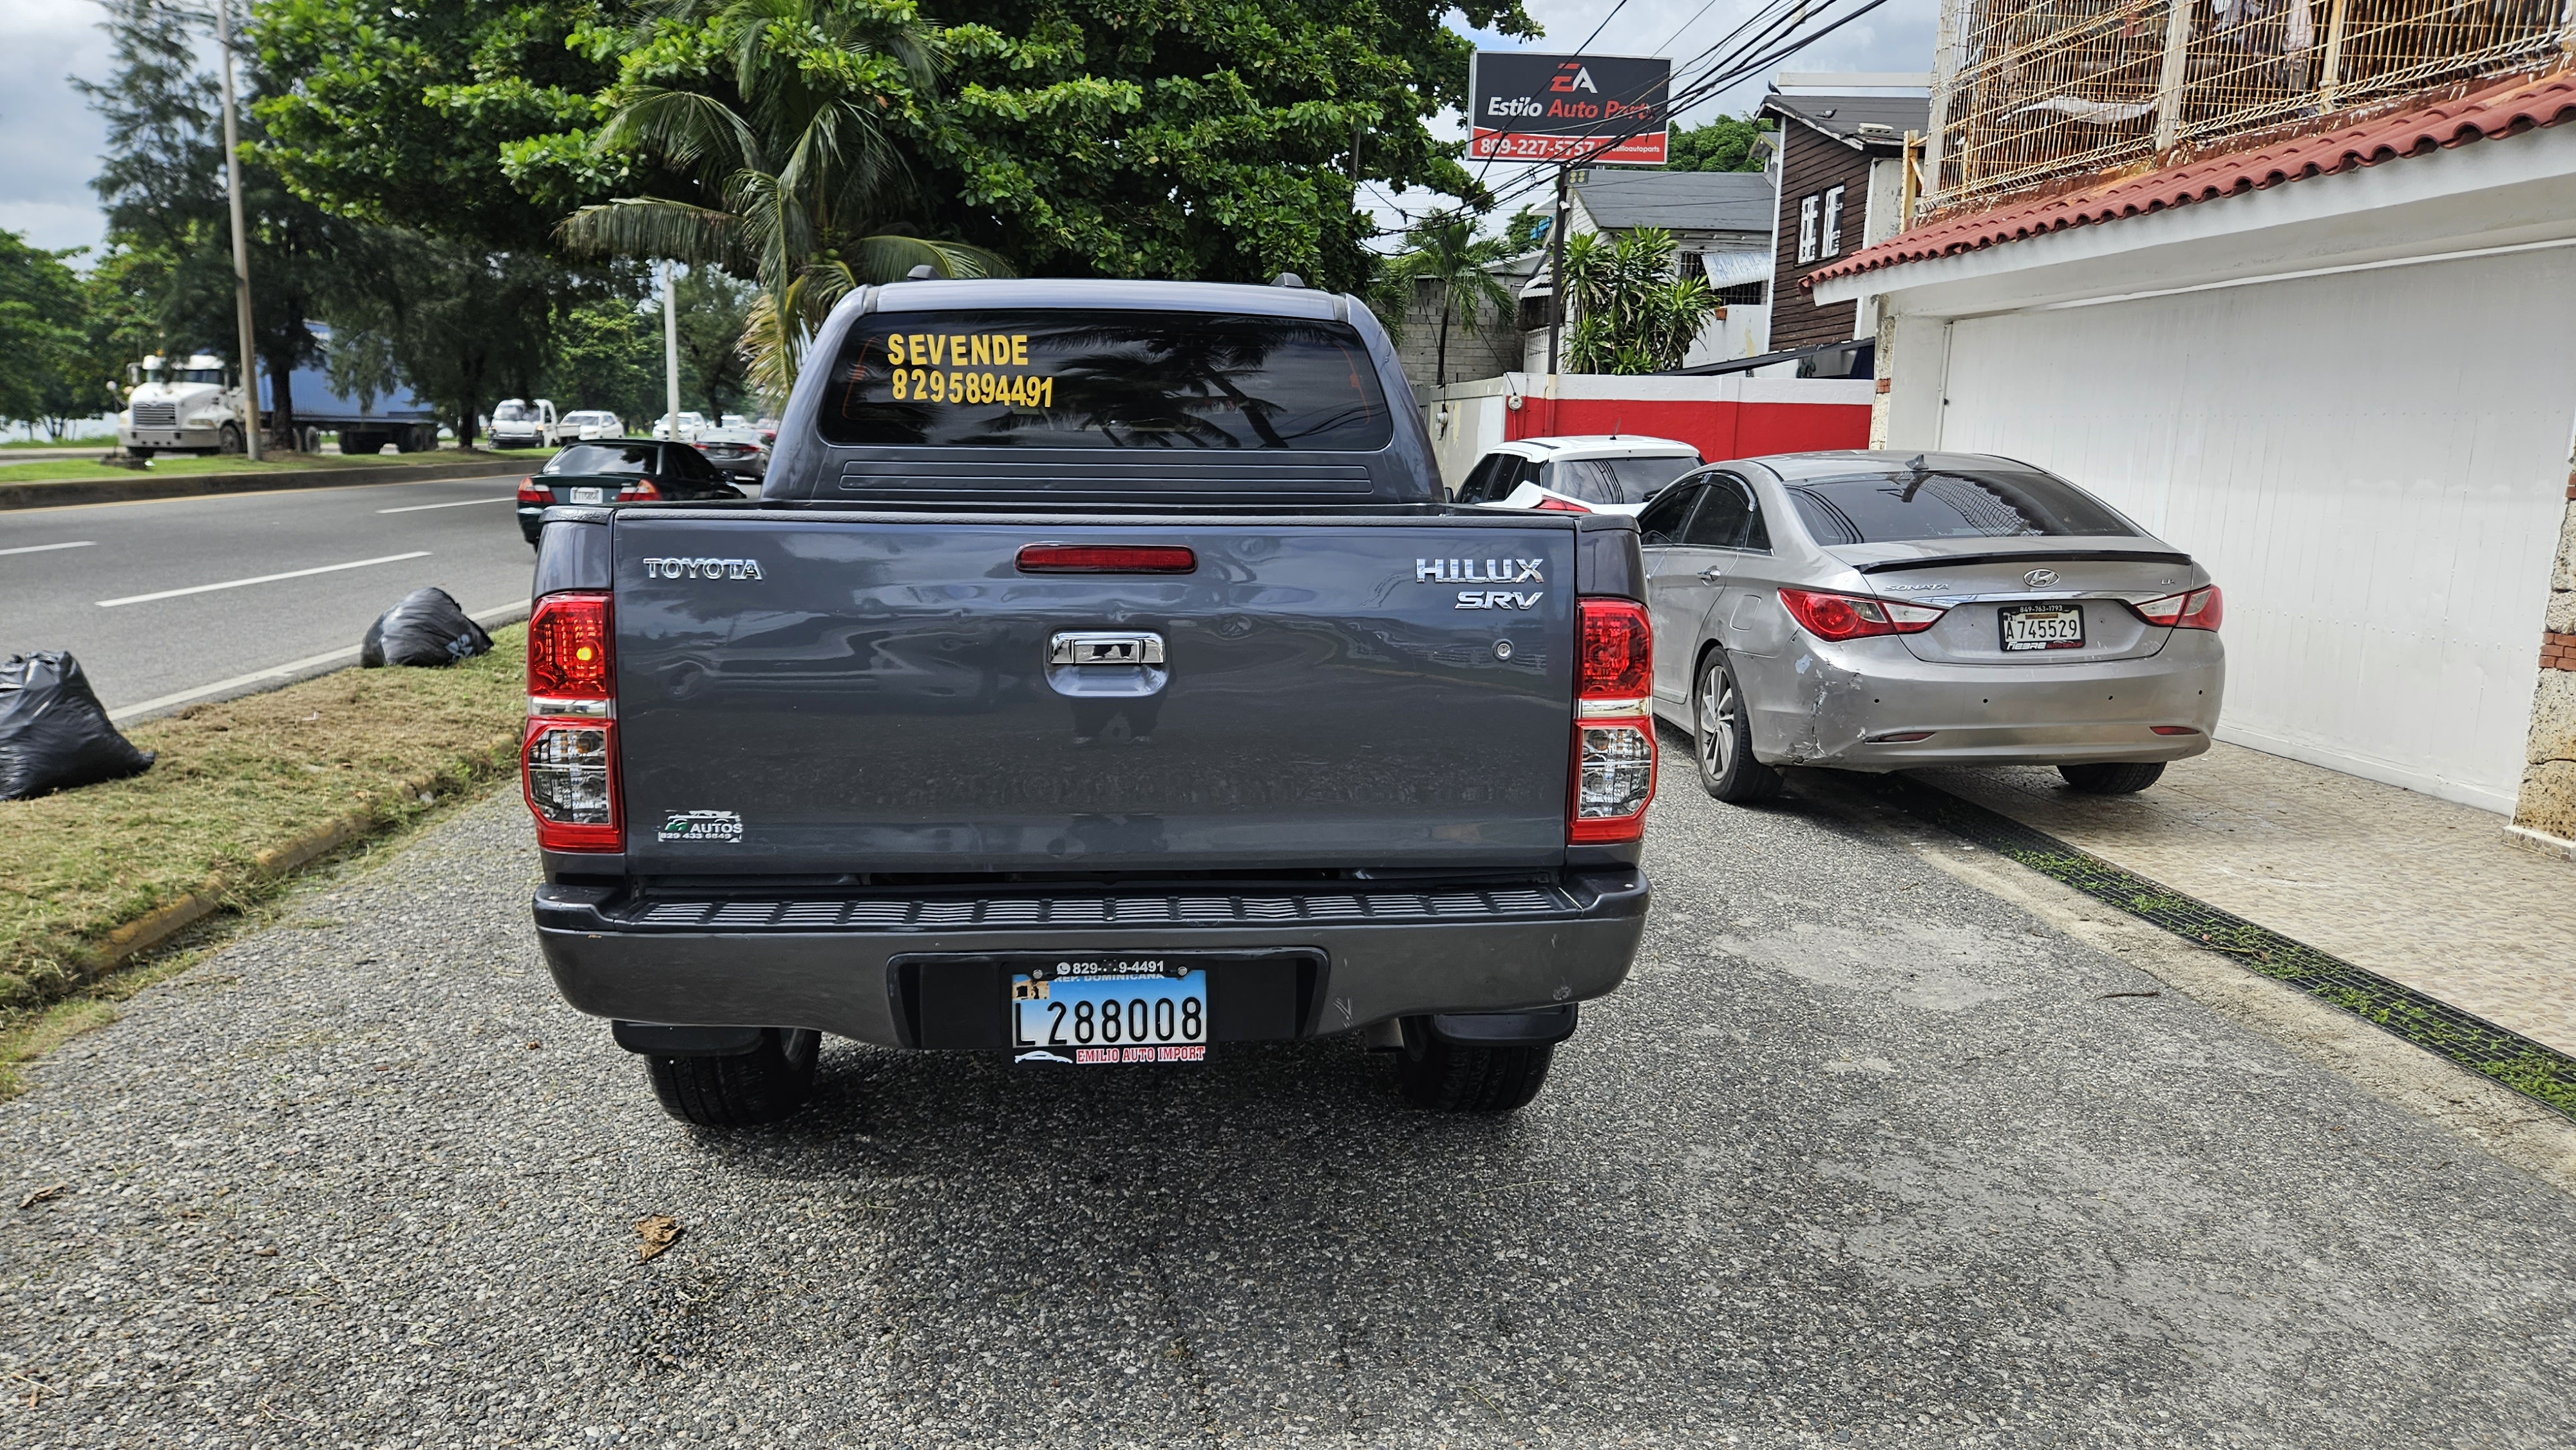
pixel 241 237
pixel 671 350
pixel 1555 280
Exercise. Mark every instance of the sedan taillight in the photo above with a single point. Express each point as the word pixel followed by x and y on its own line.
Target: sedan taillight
pixel 529 492
pixel 1614 741
pixel 1550 503
pixel 568 757
pixel 640 491
pixel 1855 616
pixel 2199 609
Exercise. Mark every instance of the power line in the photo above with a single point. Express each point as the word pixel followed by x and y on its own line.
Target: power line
pixel 1605 22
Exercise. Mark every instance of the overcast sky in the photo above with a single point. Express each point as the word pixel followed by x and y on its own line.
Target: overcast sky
pixel 49 140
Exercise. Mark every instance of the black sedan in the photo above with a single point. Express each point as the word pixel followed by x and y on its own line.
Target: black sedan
pixel 619 470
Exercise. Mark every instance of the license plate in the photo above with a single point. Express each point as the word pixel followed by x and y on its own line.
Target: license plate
pixel 590 495
pixel 1106 1008
pixel 2043 626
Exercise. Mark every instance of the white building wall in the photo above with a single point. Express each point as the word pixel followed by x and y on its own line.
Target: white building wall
pixel 2372 464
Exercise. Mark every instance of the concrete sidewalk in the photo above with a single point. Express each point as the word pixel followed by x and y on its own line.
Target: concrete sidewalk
pixel 2421 891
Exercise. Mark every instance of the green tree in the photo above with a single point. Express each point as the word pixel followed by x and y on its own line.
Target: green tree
pixel 1629 313
pixel 780 162
pixel 713 312
pixel 1447 257
pixel 1724 144
pixel 462 326
pixel 608 354
pixel 42 339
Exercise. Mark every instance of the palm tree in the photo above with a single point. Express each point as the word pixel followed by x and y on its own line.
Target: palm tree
pixel 1447 253
pixel 797 181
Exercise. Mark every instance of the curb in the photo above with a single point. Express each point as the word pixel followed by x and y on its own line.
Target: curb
pixel 191 485
pixel 162 923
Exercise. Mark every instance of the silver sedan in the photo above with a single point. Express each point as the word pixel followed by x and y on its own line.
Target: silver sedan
pixel 1876 611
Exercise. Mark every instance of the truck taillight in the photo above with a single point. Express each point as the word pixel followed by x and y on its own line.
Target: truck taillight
pixel 568 758
pixel 1614 740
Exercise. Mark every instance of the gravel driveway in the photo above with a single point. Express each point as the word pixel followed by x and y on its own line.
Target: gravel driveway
pixel 1860 1156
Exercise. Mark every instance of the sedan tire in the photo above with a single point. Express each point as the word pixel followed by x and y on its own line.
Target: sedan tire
pixel 2119 777
pixel 1722 739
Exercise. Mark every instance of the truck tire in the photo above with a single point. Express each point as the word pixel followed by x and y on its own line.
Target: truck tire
pixel 2116 777
pixel 1448 1078
pixel 360 443
pixel 760 1086
pixel 1722 738
pixel 230 439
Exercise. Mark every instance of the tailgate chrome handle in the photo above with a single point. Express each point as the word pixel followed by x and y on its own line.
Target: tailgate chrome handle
pixel 1128 647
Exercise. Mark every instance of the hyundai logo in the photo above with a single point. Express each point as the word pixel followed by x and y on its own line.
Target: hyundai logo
pixel 2040 578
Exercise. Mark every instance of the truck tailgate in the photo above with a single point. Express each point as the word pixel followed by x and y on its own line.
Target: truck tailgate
pixel 804 693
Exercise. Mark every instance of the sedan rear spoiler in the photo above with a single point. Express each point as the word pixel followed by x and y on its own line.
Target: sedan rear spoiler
pixel 2081 556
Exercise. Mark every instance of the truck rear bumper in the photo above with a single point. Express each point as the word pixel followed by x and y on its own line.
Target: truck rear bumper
pixel 1386 951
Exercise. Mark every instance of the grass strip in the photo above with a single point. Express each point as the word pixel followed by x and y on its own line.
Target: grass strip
pixel 2534 1069
pixel 82 470
pixel 243 793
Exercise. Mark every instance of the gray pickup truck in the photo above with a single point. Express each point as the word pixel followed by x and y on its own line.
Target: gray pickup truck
pixel 1099 678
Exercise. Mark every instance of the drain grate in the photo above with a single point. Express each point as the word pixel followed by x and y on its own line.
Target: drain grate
pixel 2534 1069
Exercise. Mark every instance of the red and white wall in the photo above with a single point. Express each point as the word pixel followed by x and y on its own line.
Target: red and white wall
pixel 1731 416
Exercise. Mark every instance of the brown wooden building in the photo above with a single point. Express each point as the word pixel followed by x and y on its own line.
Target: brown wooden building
pixel 1840 167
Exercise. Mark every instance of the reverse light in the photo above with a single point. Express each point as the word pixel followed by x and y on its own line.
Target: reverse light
pixel 1614 741
pixel 1856 616
pixel 2199 609
pixel 1106 559
pixel 640 491
pixel 568 757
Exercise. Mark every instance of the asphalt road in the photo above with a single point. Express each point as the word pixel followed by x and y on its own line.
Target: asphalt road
pixel 85 578
pixel 1862 1155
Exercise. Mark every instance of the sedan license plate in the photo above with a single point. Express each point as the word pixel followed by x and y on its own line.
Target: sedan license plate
pixel 2043 626
pixel 590 495
pixel 1100 1009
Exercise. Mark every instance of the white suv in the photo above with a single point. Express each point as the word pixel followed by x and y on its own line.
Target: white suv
pixel 1597 474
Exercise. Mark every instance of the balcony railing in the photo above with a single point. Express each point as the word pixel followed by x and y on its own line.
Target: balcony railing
pixel 2036 90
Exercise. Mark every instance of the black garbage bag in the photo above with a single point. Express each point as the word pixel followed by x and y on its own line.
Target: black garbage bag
pixel 54 734
pixel 427 628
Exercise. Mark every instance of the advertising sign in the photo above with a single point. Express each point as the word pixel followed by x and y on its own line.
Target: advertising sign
pixel 1592 109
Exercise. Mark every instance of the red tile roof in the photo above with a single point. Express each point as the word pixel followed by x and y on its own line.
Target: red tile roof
pixel 2505 109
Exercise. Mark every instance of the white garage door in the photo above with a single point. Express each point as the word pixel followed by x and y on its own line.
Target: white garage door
pixel 2372 464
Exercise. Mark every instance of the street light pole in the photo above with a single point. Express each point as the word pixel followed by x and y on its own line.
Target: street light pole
pixel 671 351
pixel 241 236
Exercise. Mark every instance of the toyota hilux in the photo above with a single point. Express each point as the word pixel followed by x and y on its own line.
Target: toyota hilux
pixel 1100 678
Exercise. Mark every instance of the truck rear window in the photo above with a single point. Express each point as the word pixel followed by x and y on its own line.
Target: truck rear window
pixel 1058 378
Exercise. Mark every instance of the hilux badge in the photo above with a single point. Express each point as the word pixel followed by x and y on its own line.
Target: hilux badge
pixel 1485 571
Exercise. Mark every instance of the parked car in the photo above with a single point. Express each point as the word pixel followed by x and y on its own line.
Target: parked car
pixel 1201 739
pixel 517 423
pixel 592 424
pixel 619 471
pixel 736 452
pixel 691 425
pixel 1880 611
pixel 1577 474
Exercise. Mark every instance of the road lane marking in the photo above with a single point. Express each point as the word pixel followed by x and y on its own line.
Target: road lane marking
pixel 43 548
pixel 414 508
pixel 261 579
pixel 293 670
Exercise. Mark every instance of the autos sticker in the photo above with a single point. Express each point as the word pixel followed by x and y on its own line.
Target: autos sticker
pixel 720 827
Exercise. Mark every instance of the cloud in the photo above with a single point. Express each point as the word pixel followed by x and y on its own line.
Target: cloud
pixel 49 138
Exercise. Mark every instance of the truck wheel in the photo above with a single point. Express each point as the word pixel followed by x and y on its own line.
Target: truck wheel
pixel 2118 777
pixel 140 452
pixel 1447 1078
pixel 760 1086
pixel 1722 731
pixel 229 440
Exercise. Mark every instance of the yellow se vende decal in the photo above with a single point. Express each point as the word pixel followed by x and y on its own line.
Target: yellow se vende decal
pixel 958 349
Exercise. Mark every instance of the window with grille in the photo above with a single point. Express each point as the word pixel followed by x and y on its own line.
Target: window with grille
pixel 1807 207
pixel 1833 244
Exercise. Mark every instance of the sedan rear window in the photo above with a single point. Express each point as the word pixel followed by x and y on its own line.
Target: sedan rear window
pixel 1948 503
pixel 604 458
pixel 1619 480
pixel 1060 378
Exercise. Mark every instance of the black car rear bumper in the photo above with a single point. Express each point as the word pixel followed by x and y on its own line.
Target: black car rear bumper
pixel 904 972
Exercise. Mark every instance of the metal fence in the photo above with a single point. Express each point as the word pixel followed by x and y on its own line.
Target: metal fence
pixel 2034 90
